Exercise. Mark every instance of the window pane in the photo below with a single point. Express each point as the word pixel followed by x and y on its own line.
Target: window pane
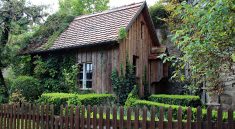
pixel 80 84
pixel 80 76
pixel 88 84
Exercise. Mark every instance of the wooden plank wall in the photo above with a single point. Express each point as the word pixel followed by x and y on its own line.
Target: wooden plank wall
pixel 104 60
pixel 140 47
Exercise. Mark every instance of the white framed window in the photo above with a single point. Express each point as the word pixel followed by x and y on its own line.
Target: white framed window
pixel 85 76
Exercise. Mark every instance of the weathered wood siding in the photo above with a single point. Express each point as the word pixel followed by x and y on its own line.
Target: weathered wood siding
pixel 134 45
pixel 103 61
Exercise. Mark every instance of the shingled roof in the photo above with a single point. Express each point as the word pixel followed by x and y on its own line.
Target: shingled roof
pixel 96 28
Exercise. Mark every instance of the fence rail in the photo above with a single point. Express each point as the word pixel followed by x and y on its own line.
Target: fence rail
pixel 28 116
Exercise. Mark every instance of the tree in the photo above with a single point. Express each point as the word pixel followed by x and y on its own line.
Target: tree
pixel 205 34
pixel 15 18
pixel 79 7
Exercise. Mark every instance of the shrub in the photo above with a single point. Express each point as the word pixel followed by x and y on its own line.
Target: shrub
pixel 149 104
pixel 17 97
pixel 183 100
pixel 76 99
pixel 132 97
pixel 28 86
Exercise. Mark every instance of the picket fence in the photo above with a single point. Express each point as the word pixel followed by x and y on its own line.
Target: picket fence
pixel 30 116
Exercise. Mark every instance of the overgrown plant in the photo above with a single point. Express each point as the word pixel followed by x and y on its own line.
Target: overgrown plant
pixel 205 35
pixel 122 33
pixel 123 82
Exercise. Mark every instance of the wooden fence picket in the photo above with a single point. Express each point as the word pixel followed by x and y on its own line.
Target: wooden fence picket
pixel 161 118
pixel 199 118
pixel 29 116
pixel 94 117
pixel 179 118
pixel 170 118
pixel 189 118
pixel 136 125
pixel 107 118
pixel 128 122
pixel 144 120
pixel 100 117
pixel 209 113
pixel 114 117
pixel 152 119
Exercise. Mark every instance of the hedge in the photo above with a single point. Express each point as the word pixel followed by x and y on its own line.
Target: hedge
pixel 149 104
pixel 183 100
pixel 76 99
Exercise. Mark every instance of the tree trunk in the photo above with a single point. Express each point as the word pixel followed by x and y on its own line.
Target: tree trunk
pixel 3 84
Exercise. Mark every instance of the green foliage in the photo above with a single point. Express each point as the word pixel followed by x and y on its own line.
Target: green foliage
pixel 122 33
pixel 16 97
pixel 183 100
pixel 205 35
pixel 28 86
pixel 123 83
pixel 132 97
pixel 70 77
pixel 75 99
pixel 79 7
pixel 158 14
pixel 149 104
pixel 57 73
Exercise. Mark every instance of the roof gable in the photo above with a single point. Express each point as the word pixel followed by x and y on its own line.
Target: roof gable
pixel 96 28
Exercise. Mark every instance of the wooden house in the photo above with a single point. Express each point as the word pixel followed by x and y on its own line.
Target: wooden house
pixel 95 41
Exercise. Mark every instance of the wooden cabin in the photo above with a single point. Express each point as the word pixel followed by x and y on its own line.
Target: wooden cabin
pixel 95 41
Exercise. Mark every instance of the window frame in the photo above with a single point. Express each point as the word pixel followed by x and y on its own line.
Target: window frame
pixel 84 74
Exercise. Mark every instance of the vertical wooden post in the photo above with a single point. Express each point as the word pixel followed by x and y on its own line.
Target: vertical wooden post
pixel 128 118
pixel 121 118
pixel 199 118
pixel 47 116
pixel 152 120
pixel 71 117
pixel 88 123
pixel 169 118
pixel 114 117
pixel 230 119
pixel 161 118
pixel 56 123
pixel 189 118
pixel 26 116
pixel 18 116
pixel 179 118
pixel 219 118
pixel 11 118
pixel 42 116
pixel 22 116
pixel 82 117
pixel 95 117
pixel 100 117
pixel 30 116
pixel 136 125
pixel 209 123
pixel 61 117
pixel 52 117
pixel 107 118
pixel 144 121
pixel 77 118
pixel 1 115
pixel 66 118
pixel 14 116
pixel 34 115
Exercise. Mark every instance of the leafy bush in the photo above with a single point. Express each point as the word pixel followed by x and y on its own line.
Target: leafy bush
pixel 183 100
pixel 149 104
pixel 28 86
pixel 123 82
pixel 132 97
pixel 58 99
pixel 17 97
